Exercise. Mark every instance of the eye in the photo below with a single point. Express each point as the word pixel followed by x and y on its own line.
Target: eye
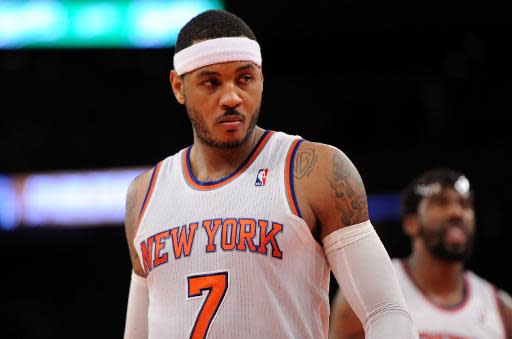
pixel 212 82
pixel 466 203
pixel 245 78
pixel 439 201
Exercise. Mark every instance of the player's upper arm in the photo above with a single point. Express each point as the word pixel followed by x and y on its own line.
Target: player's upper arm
pixel 333 188
pixel 134 200
pixel 343 322
pixel 506 306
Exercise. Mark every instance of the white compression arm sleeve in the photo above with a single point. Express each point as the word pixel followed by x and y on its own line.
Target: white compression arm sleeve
pixel 365 274
pixel 137 313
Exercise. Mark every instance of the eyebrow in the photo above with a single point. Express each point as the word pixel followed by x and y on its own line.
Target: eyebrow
pixel 206 73
pixel 245 67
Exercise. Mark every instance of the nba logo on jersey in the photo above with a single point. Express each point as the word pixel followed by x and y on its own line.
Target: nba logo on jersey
pixel 261 178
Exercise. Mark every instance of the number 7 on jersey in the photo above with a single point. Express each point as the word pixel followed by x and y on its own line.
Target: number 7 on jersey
pixel 217 285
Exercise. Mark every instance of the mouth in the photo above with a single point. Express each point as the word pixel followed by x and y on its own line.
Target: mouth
pixel 231 122
pixel 455 235
pixel 457 232
pixel 230 118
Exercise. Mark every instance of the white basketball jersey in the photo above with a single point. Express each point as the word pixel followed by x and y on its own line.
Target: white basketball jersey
pixel 476 317
pixel 232 258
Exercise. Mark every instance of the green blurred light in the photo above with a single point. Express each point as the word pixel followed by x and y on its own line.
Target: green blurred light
pixel 92 23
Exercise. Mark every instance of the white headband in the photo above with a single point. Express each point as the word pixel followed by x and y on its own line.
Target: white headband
pixel 215 51
pixel 461 185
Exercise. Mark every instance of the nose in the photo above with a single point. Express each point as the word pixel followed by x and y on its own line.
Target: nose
pixel 230 97
pixel 456 210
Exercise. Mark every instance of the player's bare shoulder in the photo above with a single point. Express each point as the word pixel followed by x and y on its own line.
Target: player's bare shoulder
pixel 134 200
pixel 506 305
pixel 331 185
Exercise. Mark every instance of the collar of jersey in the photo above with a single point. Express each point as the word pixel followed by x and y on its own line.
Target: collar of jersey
pixel 210 185
pixel 466 291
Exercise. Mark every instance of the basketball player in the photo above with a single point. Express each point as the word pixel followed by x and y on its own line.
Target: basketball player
pixel 445 301
pixel 225 236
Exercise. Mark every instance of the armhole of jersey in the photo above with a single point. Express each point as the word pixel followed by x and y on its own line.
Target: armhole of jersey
pixel 501 312
pixel 288 175
pixel 147 198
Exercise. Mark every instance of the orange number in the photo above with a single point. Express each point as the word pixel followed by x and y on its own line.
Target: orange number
pixel 216 284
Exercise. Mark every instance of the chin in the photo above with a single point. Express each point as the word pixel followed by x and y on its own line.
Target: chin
pixel 238 136
pixel 226 143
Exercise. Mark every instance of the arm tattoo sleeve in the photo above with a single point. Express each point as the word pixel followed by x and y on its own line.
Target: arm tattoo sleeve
pixel 349 191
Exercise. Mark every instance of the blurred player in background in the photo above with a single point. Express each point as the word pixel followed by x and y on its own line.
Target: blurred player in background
pixel 445 300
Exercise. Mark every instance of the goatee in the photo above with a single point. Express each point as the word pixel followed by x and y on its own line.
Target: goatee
pixel 434 241
pixel 205 136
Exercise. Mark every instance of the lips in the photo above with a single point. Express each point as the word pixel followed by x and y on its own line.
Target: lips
pixel 455 234
pixel 230 119
pixel 231 122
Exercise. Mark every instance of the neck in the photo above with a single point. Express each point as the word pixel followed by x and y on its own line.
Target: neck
pixel 441 281
pixel 211 163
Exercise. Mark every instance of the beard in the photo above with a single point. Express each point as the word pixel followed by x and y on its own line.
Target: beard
pixel 436 245
pixel 204 134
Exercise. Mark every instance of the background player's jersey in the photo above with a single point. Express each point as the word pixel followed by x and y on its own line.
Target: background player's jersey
pixel 232 258
pixel 476 317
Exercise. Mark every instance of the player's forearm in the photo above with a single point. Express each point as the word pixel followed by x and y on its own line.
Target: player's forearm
pixel 137 312
pixel 364 272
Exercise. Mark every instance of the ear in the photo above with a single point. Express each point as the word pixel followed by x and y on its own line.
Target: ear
pixel 410 225
pixel 177 86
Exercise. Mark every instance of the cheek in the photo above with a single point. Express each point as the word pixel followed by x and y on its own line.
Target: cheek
pixel 427 217
pixel 197 96
pixel 470 221
pixel 432 222
pixel 197 105
pixel 258 92
pixel 252 102
pixel 252 92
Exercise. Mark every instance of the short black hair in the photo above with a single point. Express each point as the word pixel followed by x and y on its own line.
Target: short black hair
pixel 411 196
pixel 212 24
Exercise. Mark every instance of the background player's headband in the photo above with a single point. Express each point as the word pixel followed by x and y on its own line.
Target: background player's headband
pixel 461 185
pixel 216 51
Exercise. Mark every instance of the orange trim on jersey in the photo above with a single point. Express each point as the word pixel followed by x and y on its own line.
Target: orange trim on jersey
pixel 206 186
pixel 446 308
pixel 148 196
pixel 288 175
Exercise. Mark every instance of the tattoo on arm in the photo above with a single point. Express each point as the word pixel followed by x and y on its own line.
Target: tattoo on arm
pixel 303 163
pixel 349 191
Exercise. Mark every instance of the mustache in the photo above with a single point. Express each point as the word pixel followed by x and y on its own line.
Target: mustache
pixel 455 221
pixel 231 112
pixel 443 227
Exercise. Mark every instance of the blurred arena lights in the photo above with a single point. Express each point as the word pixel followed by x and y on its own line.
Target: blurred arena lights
pixel 96 23
pixel 74 199
pixel 95 198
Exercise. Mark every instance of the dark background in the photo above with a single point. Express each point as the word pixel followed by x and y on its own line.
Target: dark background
pixel 399 87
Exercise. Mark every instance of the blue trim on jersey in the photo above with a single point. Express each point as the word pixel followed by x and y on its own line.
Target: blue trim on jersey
pixel 208 183
pixel 292 187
